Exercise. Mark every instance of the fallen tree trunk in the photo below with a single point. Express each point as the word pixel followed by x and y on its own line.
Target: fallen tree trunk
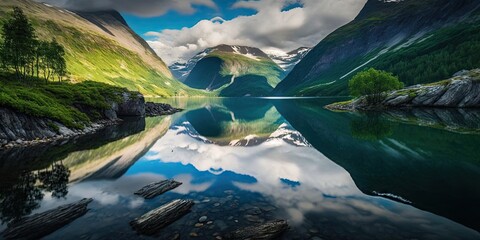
pixel 154 189
pixel 269 230
pixel 153 221
pixel 42 224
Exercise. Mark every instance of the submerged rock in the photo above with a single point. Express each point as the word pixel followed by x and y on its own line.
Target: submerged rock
pixel 202 219
pixel 269 230
pixel 153 221
pixel 155 189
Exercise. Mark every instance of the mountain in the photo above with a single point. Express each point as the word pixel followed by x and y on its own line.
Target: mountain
pixel 420 41
pixel 232 71
pixel 100 46
pixel 288 61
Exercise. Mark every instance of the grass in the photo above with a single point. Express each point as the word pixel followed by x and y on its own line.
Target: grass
pixel 59 101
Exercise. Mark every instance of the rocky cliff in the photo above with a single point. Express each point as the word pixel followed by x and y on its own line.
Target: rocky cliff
pixel 460 91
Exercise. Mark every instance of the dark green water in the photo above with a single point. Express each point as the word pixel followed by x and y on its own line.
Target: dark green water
pixel 395 175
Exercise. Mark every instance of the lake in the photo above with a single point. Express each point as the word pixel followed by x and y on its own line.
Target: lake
pixel 394 175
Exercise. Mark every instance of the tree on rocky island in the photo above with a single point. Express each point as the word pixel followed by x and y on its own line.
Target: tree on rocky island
pixel 373 84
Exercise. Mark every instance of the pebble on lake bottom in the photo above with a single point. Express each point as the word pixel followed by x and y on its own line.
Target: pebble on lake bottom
pixel 202 219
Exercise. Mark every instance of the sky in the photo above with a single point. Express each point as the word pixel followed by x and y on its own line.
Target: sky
pixel 178 29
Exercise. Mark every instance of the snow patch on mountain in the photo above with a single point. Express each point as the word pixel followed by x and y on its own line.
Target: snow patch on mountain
pixel 287 61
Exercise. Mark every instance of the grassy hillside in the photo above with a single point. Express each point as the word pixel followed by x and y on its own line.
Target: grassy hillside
pixel 419 41
pixel 59 101
pixel 101 48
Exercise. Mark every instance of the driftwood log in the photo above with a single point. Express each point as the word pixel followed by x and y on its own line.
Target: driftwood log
pixel 153 221
pixel 270 230
pixel 154 189
pixel 42 224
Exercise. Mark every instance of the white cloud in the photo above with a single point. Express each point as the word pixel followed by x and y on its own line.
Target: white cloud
pixel 271 28
pixel 144 8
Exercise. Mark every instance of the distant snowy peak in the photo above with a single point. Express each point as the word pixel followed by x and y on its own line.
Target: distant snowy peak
pixel 288 61
pixel 181 70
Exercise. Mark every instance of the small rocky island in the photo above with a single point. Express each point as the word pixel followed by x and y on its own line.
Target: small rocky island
pixel 20 129
pixel 460 91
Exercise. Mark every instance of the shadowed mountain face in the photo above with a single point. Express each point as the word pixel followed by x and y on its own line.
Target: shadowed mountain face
pixel 248 85
pixel 206 75
pixel 432 169
pixel 420 41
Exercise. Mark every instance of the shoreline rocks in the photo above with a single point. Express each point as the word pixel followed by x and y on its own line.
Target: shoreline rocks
pixel 159 109
pixel 19 129
pixel 460 91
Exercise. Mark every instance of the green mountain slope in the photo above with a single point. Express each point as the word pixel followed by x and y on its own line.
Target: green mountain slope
pixel 420 41
pixel 223 65
pixel 101 47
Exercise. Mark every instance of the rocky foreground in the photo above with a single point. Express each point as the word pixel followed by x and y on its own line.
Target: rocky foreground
pixel 19 129
pixel 460 91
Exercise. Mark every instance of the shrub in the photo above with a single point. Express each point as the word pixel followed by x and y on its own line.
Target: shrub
pixel 373 84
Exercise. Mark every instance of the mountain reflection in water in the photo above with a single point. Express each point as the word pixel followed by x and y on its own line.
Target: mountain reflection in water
pixel 246 161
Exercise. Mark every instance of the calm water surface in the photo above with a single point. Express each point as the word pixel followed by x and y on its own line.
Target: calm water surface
pixel 395 175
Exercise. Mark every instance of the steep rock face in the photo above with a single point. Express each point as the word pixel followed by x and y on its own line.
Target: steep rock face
pixel 381 31
pixel 21 127
pixel 131 105
pixel 461 91
pixel 18 125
